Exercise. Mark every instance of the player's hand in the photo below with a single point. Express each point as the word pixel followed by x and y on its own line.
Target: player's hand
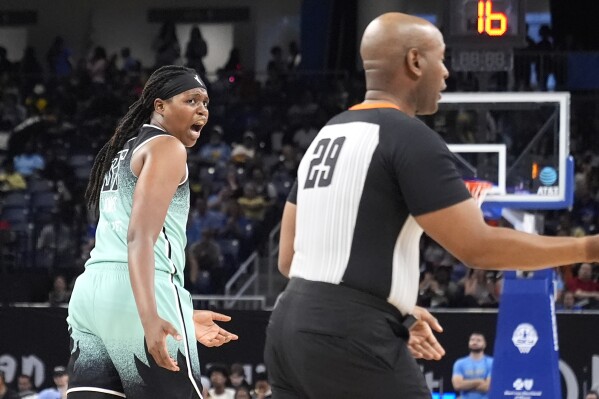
pixel 208 333
pixel 422 343
pixel 155 333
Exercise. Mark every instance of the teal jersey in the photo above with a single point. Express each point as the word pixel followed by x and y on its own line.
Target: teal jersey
pixel 116 201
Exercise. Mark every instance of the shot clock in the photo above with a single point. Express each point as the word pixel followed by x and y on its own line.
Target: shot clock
pixel 483 33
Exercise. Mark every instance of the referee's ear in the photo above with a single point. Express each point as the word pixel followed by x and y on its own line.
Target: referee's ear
pixel 413 67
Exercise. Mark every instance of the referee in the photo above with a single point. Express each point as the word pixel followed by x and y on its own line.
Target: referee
pixel 371 181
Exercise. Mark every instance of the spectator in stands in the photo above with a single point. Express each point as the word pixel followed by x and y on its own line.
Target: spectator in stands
pixel 237 227
pixel 30 161
pixel 479 289
pixel 568 302
pixel 216 152
pixel 294 58
pixel 30 71
pixel 262 389
pixel 253 206
pixel 25 387
pixel 245 152
pixel 5 391
pixel 56 238
pixel 97 67
pixel 58 171
pixel 219 375
pixel 10 179
pixel 237 378
pixel 219 199
pixel 129 64
pixel 435 256
pixel 205 263
pixel 544 64
pixel 61 380
pixel 436 289
pixel 560 285
pixel 59 59
pixel 304 109
pixel 59 293
pixel 584 286
pixel 289 160
pixel 276 64
pixel 264 188
pixel 196 50
pixel 472 374
pixel 243 392
pixel 273 92
pixel 166 45
pixel 233 68
pixel 304 135
pixel 11 112
pixel 202 218
pixel 522 63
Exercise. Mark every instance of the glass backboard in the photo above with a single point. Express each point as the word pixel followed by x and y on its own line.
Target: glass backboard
pixel 517 141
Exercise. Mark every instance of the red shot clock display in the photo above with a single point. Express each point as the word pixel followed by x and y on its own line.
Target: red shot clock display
pixel 483 33
pixel 489 22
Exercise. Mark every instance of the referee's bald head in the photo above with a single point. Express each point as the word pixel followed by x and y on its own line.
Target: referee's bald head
pixel 397 51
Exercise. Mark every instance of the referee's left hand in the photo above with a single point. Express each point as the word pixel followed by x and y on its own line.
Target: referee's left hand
pixel 422 343
pixel 208 333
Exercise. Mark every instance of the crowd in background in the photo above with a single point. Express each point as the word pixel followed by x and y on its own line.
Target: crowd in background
pixel 56 111
pixel 220 382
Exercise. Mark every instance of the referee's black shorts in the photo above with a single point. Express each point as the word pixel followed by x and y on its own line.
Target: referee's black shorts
pixel 326 341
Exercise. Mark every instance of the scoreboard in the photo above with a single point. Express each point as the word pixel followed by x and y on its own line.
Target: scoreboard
pixel 482 34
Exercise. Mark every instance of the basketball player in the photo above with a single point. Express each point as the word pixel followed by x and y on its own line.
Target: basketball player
pixel 372 180
pixel 132 325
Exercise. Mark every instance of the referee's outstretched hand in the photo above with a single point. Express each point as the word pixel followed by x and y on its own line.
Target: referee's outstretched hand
pixel 208 333
pixel 422 343
pixel 156 332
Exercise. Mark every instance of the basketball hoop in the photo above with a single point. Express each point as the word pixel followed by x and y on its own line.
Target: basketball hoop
pixel 479 189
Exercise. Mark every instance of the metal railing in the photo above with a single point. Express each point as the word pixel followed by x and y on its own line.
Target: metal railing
pixel 245 302
pixel 249 269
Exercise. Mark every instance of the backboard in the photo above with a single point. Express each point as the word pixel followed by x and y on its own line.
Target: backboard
pixel 517 141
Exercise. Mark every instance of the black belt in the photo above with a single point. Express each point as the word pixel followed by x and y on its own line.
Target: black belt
pixel 342 292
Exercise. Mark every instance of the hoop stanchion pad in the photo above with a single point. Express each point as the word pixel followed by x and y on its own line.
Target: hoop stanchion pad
pixel 526 354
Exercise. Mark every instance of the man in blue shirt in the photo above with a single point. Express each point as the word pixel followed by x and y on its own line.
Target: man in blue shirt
pixel 472 374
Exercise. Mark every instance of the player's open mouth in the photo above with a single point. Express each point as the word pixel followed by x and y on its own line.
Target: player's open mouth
pixel 196 127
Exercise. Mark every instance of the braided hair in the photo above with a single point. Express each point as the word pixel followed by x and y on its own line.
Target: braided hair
pixel 139 113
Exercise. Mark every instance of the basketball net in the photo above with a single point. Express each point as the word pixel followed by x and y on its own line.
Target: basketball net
pixel 478 189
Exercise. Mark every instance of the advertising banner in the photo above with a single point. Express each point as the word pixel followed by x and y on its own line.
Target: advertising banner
pixel 35 340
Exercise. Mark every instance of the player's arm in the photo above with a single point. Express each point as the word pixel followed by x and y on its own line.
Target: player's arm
pixel 436 196
pixel 287 238
pixel 160 166
pixel 484 385
pixel 461 230
pixel 460 384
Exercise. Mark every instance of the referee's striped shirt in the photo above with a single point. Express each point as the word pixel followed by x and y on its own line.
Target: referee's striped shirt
pixel 361 181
